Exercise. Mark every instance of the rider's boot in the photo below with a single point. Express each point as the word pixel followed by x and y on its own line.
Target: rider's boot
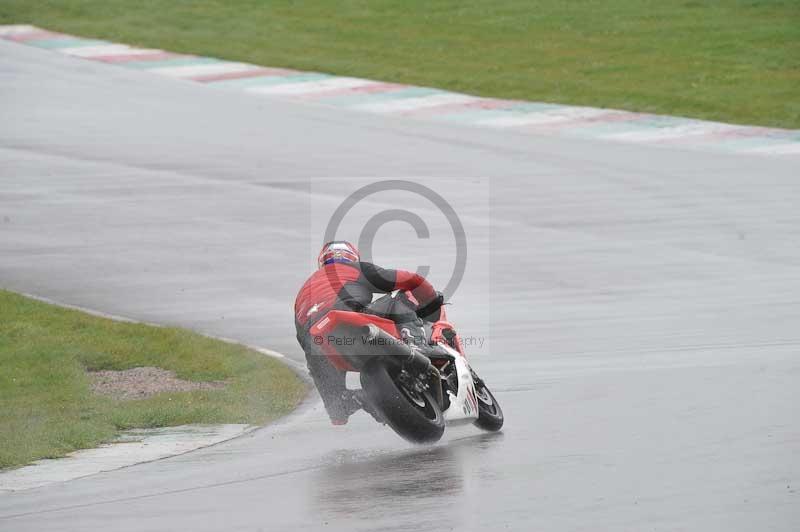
pixel 413 333
pixel 348 405
pixel 351 402
pixel 366 405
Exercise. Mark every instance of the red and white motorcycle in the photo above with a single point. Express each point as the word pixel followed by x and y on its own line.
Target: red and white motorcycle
pixel 416 391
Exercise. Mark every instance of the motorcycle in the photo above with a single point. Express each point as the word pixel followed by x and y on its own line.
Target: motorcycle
pixel 416 389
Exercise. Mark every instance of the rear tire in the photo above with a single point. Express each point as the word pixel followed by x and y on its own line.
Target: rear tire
pixel 415 416
pixel 490 415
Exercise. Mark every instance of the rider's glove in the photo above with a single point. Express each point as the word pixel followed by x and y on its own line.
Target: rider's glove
pixel 432 307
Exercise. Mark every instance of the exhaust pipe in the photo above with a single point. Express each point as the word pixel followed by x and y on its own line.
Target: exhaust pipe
pixel 396 349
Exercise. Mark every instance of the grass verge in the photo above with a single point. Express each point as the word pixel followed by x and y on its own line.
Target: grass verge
pixel 730 60
pixel 48 410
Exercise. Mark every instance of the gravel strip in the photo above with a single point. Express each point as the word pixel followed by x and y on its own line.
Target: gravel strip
pixel 144 382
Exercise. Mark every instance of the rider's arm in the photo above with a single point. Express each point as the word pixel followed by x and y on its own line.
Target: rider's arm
pixel 388 280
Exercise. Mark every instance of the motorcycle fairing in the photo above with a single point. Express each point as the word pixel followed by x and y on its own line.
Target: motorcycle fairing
pixel 338 327
pixel 464 403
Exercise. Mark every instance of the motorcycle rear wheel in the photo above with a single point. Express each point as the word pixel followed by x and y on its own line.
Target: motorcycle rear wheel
pixel 414 415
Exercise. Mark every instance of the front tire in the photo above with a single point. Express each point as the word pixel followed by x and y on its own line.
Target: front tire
pixel 414 415
pixel 490 415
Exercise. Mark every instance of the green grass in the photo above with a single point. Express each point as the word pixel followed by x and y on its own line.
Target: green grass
pixel 729 60
pixel 48 410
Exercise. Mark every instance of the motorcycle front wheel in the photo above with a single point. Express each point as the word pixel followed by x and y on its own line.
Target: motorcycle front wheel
pixel 490 415
pixel 411 411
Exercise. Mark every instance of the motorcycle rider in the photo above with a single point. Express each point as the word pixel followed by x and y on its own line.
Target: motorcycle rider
pixel 344 282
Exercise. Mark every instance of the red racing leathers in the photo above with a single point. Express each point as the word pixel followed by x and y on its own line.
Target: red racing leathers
pixel 348 286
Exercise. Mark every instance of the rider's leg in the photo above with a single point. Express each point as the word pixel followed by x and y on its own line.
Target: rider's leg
pixel 330 383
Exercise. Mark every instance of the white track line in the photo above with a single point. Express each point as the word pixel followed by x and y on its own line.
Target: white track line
pixel 142 446
pixel 204 69
pixel 672 132
pixel 549 117
pixel 107 50
pixel 412 104
pixel 16 29
pixel 310 87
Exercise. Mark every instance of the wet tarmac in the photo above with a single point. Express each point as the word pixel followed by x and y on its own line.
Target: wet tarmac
pixel 638 306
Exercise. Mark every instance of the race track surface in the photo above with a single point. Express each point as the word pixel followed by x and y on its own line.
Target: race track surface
pixel 640 307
